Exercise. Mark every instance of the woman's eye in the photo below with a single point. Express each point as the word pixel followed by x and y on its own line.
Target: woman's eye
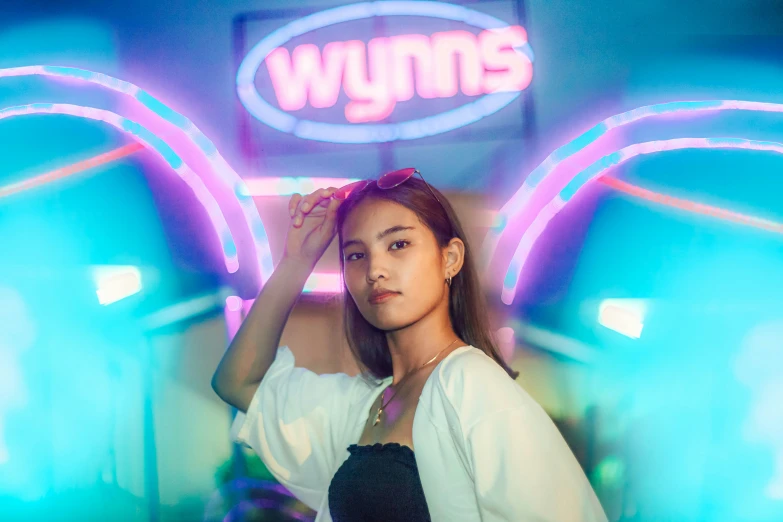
pixel 399 244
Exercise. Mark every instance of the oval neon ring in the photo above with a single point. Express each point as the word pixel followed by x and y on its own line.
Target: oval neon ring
pixel 368 133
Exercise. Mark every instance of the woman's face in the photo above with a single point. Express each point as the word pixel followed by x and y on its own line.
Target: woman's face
pixel 385 246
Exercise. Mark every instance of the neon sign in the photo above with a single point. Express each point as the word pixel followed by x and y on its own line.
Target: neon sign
pixel 219 169
pixel 487 63
pixel 495 64
pixel 153 143
pixel 529 210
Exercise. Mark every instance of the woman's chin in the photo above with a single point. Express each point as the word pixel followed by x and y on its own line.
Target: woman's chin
pixel 383 323
pixel 389 322
pixel 381 319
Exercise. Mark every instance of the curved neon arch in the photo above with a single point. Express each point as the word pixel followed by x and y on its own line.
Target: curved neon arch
pixel 368 133
pixel 522 202
pixel 153 143
pixel 220 167
pixel 599 169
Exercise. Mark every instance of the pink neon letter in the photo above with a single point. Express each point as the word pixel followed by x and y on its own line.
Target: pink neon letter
pixel 412 51
pixel 304 73
pixel 370 88
pixel 447 44
pixel 507 69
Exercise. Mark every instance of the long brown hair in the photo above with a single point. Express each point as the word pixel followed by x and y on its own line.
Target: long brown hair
pixel 467 304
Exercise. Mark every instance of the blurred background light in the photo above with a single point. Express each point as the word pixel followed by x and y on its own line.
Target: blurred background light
pixel 114 283
pixel 625 316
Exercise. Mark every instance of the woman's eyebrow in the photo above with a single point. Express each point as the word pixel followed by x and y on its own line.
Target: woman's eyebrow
pixel 381 235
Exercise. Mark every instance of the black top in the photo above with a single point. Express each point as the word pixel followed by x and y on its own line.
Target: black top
pixel 378 483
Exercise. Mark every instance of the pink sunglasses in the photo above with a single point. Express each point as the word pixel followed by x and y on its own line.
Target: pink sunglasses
pixel 387 181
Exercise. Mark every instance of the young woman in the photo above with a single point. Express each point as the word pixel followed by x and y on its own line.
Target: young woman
pixel 435 428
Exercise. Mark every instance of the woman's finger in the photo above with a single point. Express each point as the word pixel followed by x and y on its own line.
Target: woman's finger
pixel 315 199
pixel 293 203
pixel 325 196
pixel 306 204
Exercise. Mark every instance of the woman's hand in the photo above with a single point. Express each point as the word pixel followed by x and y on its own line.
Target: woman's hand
pixel 313 225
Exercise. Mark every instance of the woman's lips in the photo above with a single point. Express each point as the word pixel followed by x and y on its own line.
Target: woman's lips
pixel 383 298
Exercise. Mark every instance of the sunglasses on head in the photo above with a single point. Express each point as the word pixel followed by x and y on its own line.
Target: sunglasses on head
pixel 385 182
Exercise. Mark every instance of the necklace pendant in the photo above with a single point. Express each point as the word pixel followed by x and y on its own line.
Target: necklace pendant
pixel 377 417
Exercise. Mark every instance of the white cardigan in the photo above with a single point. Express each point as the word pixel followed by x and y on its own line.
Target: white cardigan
pixel 484 448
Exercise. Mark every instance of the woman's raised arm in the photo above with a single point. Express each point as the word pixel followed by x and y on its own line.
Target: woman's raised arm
pixel 253 349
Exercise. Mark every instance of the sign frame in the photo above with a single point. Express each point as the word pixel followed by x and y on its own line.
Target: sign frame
pixel 291 145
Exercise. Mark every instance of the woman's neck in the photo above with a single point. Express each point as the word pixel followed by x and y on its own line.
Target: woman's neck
pixel 412 347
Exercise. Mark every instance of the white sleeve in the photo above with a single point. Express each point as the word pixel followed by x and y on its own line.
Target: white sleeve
pixel 297 423
pixel 524 471
pixel 522 468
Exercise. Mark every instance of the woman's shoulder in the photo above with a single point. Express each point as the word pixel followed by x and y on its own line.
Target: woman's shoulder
pixel 471 365
pixel 475 385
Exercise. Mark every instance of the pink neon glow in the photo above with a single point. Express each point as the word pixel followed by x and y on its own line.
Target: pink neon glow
pixel 75 168
pixel 305 75
pixel 286 186
pixel 504 70
pixel 454 50
pixel 195 183
pixel 233 303
pixel 377 75
pixel 317 283
pixel 324 283
pixel 534 231
pixel 506 341
pixel 412 57
pixel 691 206
pixel 247 304
pixel 233 318
pixel 370 90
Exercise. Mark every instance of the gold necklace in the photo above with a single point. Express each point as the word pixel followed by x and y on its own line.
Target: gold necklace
pixel 399 384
